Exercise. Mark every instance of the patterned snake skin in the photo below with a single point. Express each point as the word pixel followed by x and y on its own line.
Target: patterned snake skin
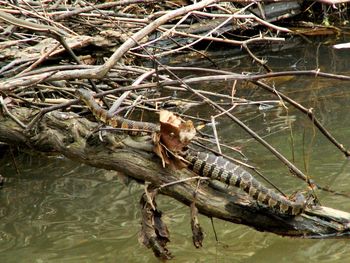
pixel 131 127
pixel 225 171
pixel 205 164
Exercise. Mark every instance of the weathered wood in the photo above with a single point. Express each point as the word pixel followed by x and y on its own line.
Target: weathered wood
pixel 70 135
pixel 272 12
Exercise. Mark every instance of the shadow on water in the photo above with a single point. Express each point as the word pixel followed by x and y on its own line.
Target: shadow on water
pixel 56 210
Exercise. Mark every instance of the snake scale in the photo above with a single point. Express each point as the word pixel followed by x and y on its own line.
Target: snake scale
pixel 205 164
pixel 130 126
pixel 218 168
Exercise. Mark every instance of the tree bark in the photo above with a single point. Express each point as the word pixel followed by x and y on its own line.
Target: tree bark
pixel 68 134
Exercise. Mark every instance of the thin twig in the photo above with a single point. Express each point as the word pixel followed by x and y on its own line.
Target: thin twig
pixel 215 134
pixel 309 113
pixel 184 180
pixel 13 117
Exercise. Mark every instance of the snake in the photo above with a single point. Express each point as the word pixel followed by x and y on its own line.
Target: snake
pixel 205 164
pixel 221 169
pixel 131 127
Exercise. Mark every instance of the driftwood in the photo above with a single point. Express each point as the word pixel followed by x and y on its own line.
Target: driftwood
pixel 216 25
pixel 71 135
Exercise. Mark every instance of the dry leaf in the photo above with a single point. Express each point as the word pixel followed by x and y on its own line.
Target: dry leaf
pixel 175 134
pixel 197 231
pixel 159 150
pixel 154 233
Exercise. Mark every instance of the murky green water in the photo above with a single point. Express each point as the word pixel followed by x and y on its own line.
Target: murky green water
pixel 56 210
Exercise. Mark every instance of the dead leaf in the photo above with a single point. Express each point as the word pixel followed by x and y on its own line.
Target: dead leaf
pixel 154 233
pixel 175 133
pixel 197 231
pixel 159 150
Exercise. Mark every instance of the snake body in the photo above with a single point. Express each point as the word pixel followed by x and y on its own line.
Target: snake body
pixel 223 170
pixel 131 127
pixel 205 164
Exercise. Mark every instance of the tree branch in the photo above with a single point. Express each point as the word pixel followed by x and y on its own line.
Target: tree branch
pixel 70 135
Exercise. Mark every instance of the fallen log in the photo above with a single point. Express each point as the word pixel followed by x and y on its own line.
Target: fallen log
pixel 68 134
pixel 215 25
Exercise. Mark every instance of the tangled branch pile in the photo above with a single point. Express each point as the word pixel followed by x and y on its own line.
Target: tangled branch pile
pixel 50 49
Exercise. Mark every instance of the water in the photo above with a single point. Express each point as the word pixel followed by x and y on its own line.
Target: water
pixel 56 210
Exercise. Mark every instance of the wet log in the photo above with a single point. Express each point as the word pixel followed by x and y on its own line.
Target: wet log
pixel 268 12
pixel 68 134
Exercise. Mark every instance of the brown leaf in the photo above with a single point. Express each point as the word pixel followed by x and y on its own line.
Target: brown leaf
pixel 159 150
pixel 160 227
pixel 154 233
pixel 197 231
pixel 175 133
